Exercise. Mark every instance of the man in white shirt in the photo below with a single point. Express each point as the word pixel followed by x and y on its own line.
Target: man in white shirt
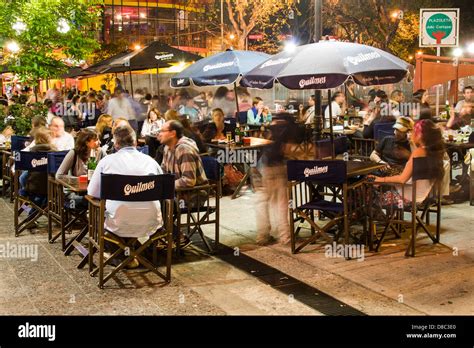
pixel 62 140
pixel 128 219
pixel 467 93
pixel 120 106
pixel 338 107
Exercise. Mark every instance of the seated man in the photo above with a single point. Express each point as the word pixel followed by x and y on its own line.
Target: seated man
pixel 462 118
pixel 394 151
pixel 128 219
pixel 338 105
pixel 62 140
pixel 181 157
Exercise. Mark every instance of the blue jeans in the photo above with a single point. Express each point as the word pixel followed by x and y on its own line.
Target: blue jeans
pixel 39 200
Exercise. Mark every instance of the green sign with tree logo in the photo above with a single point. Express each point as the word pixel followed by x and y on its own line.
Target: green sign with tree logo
pixel 439 26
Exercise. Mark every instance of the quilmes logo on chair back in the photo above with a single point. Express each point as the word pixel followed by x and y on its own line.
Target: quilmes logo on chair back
pixel 330 172
pixel 140 187
pixel 39 162
pixel 31 161
pixel 137 188
pixel 315 171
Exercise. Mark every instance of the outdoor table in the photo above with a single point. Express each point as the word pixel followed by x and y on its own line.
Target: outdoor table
pixel 72 184
pixel 255 144
pixel 344 131
pixel 462 148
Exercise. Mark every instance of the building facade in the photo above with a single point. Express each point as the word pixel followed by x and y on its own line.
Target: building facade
pixel 180 23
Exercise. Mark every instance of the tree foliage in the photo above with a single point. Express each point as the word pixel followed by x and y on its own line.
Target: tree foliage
pixel 373 22
pixel 43 49
pixel 242 17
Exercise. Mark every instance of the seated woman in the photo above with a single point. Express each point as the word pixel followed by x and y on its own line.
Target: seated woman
pixel 34 184
pixel 6 135
pixel 258 114
pixel 153 123
pixel 76 160
pixel 193 133
pixel 103 128
pixel 420 97
pixel 217 129
pixel 428 142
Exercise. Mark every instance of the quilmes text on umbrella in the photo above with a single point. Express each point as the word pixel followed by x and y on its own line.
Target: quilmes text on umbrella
pixel 218 65
pixel 313 80
pixel 231 156
pixel 272 62
pixel 361 57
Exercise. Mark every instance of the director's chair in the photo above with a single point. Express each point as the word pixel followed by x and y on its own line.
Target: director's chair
pixel 115 187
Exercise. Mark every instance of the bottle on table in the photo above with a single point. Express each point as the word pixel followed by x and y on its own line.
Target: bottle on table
pixel 346 120
pixel 238 135
pixel 447 109
pixel 91 165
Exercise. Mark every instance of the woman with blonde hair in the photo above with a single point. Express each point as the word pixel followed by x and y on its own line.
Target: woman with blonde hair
pixel 171 114
pixel 103 128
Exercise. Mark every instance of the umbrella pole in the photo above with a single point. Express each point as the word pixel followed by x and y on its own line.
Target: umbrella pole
pixel 236 101
pixel 331 133
pixel 131 82
pixel 316 121
pixel 158 79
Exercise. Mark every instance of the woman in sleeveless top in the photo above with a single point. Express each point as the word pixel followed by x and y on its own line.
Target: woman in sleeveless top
pixel 428 142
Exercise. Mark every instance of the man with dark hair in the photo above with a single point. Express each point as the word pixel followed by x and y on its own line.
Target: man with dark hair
pixel 467 93
pixel 181 156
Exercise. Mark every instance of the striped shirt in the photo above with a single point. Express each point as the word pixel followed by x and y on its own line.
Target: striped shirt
pixel 184 161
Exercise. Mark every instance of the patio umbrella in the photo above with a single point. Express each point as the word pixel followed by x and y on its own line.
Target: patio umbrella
pixel 219 69
pixel 326 65
pixel 154 55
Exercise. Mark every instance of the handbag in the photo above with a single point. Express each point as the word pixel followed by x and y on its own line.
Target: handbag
pixel 232 176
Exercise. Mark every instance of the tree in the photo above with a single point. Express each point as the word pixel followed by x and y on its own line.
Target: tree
pixel 241 17
pixel 391 25
pixel 49 33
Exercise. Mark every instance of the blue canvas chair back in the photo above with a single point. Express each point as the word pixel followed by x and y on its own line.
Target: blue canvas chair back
pixel 424 168
pixel 54 161
pixel 381 130
pixel 133 188
pixel 340 146
pixel 18 142
pixel 143 149
pixel 242 117
pixel 211 167
pixel 323 172
pixel 31 161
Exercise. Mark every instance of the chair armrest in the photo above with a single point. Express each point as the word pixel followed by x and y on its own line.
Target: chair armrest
pixel 187 189
pixel 94 201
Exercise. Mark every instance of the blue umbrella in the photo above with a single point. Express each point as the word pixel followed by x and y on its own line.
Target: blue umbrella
pixel 326 65
pixel 219 69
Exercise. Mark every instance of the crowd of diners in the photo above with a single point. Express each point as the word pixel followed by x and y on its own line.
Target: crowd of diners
pixel 108 126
